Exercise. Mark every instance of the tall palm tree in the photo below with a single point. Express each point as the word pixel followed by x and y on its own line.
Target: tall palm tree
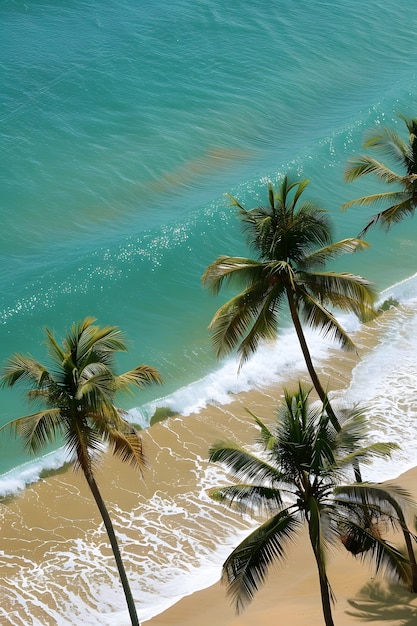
pixel 76 401
pixel 403 200
pixel 297 482
pixel 292 241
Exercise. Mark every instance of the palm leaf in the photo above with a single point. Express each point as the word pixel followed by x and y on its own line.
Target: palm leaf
pixel 243 464
pixel 364 165
pixel 37 430
pixel 25 370
pixel 140 377
pixel 386 497
pixel 323 255
pixel 385 557
pixel 389 142
pixel 246 568
pixel 264 326
pixel 127 445
pixel 318 317
pixel 267 438
pixel 367 454
pixel 233 270
pixel 55 351
pixel 248 498
pixel 347 292
pixel 392 215
pixel 234 319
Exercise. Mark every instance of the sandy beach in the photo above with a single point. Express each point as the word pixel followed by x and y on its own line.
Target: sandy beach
pixel 55 555
pixel 291 594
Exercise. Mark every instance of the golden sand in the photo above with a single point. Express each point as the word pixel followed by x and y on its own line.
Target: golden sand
pixel 45 521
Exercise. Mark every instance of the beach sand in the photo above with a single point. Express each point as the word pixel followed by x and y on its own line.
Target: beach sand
pixel 291 593
pixel 54 551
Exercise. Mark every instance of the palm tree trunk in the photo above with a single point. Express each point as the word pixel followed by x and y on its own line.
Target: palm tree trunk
pixel 114 545
pixel 333 418
pixel 309 363
pixel 411 555
pixel 409 544
pixel 313 374
pixel 326 601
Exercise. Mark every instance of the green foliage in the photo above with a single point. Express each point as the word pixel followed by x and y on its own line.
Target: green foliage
pixel 292 241
pixel 299 480
pixel 76 396
pixel 402 201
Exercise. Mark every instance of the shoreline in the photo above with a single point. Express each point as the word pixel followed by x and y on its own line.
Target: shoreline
pixel 291 593
pixel 168 524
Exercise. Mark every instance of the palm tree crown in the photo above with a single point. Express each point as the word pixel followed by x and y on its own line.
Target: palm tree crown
pixel 297 481
pixel 292 242
pixel 76 399
pixel 401 202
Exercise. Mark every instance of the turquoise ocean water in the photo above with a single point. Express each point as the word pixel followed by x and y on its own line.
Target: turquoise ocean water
pixel 123 126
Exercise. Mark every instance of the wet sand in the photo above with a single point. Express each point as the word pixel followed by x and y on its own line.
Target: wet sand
pixel 291 593
pixel 56 561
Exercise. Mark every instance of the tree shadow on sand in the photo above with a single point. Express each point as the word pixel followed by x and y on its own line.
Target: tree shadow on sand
pixel 383 602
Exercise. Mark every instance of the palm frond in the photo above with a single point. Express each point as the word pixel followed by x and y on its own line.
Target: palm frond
pixel 127 445
pixel 246 569
pixel 385 557
pixel 364 165
pixel 392 215
pixel 267 438
pixel 140 377
pixel 248 498
pixel 388 141
pixel 84 443
pixel 264 326
pixel 230 323
pixel 390 197
pixel 233 270
pixel 242 464
pixel 324 255
pixel 55 351
pixel 366 454
pixel 345 291
pixel 38 429
pixel 300 186
pixel 25 370
pixel 385 498
pixel 234 319
pixel 318 317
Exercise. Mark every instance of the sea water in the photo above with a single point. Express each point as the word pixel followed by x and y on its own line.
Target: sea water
pixel 123 127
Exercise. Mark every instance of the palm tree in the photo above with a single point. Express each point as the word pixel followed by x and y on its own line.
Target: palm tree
pixel 297 481
pixel 76 401
pixel 292 240
pixel 403 201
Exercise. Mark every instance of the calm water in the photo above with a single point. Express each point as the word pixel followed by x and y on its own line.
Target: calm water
pixel 124 124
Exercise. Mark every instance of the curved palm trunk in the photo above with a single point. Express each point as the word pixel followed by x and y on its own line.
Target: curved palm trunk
pixel 309 363
pixel 408 543
pixel 326 601
pixel 313 374
pixel 114 545
pixel 333 418
pixel 410 552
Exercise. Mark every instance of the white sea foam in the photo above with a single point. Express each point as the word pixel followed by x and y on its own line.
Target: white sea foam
pixel 17 478
pixel 272 363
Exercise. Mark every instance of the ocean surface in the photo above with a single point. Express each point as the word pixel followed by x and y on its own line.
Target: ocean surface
pixel 123 127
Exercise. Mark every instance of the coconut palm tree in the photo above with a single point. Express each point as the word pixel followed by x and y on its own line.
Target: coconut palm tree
pixel 76 398
pixel 292 241
pixel 402 201
pixel 297 482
